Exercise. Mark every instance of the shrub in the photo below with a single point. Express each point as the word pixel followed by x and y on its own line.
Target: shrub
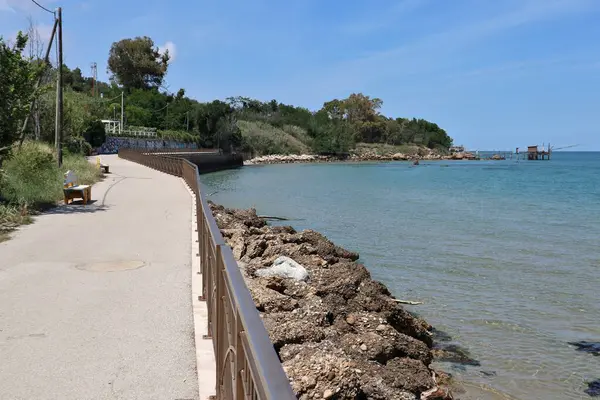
pixel 95 133
pixel 31 175
pixel 77 145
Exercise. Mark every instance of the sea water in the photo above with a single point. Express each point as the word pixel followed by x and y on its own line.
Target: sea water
pixel 504 255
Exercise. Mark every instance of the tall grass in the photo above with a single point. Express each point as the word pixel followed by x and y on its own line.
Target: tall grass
pixel 299 134
pixel 264 138
pixel 32 177
pixel 87 173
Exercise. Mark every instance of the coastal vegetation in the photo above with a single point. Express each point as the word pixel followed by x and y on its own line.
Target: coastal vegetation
pixel 31 180
pixel 30 177
pixel 137 72
pixel 138 69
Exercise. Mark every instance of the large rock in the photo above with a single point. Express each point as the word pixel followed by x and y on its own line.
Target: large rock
pixel 593 389
pixel 324 247
pixel 267 299
pixel 408 374
pixel 284 267
pixel 315 369
pixel 300 326
pixel 587 347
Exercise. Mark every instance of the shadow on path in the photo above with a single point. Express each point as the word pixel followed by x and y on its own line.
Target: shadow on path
pixel 77 207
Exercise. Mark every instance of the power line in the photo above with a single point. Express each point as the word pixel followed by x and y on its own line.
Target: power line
pixel 43 8
pixel 107 100
pixel 160 109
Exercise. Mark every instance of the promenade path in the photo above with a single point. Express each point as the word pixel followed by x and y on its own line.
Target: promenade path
pixel 96 301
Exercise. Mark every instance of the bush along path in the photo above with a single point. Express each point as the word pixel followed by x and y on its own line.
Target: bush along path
pixel 30 181
pixel 338 333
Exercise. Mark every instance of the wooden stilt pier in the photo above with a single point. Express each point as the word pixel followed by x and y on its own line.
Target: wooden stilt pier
pixel 535 153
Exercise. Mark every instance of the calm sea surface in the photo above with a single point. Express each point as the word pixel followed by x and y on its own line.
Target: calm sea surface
pixel 505 255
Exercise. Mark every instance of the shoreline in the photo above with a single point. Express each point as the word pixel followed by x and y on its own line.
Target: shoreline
pixel 328 319
pixel 369 157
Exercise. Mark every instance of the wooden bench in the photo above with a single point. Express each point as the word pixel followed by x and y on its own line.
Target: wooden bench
pixel 72 190
pixel 102 166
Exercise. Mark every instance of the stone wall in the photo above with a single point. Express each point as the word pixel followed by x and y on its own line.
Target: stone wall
pixel 113 144
pixel 207 162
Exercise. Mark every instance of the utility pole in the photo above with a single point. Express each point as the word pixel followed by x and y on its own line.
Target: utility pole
pixel 39 80
pixel 187 120
pixel 94 78
pixel 122 111
pixel 59 93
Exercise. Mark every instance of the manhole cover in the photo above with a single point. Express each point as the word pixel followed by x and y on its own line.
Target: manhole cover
pixel 112 266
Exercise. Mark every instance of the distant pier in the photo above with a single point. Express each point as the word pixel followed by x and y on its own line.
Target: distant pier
pixel 535 153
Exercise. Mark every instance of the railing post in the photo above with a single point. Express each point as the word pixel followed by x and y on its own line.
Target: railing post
pixel 240 358
pixel 219 334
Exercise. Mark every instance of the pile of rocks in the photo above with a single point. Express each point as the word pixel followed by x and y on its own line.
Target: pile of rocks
pixel 285 159
pixel 372 156
pixel 462 156
pixel 355 157
pixel 338 333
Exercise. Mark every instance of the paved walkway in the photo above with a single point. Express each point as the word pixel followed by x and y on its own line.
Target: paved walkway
pixel 96 300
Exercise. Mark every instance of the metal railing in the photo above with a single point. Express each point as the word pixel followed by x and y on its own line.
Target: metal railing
pixel 247 365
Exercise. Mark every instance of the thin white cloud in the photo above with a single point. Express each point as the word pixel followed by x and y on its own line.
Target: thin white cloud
pixel 436 54
pixel 436 51
pixel 171 48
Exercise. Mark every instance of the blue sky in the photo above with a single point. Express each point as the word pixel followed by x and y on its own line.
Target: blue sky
pixel 496 74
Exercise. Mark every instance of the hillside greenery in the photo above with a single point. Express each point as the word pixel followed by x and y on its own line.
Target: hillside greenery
pixel 246 124
pixel 137 69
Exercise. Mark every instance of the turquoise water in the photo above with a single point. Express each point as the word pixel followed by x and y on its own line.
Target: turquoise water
pixel 504 254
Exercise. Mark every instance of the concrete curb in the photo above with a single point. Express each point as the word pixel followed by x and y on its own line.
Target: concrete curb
pixel 205 356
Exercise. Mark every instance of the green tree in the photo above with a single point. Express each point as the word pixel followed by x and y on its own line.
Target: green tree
pixel 213 119
pixel 335 109
pixel 17 76
pixel 361 108
pixel 74 79
pixel 95 133
pixel 331 135
pixel 137 63
pixel 146 107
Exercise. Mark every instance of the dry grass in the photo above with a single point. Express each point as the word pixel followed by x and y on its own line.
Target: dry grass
pixel 11 217
pixel 265 139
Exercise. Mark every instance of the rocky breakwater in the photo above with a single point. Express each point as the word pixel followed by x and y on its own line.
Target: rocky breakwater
pixel 339 334
pixel 462 156
pixel 286 159
pixel 374 156
pixel 352 157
